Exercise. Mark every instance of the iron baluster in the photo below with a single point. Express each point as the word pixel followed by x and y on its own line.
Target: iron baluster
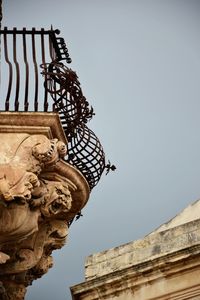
pixel 26 104
pixel 7 103
pixel 44 62
pixel 17 69
pixel 35 69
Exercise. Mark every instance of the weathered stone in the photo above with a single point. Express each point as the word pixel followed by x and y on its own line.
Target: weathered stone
pixel 164 265
pixel 39 195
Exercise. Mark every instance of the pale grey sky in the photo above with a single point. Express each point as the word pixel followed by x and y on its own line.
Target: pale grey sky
pixel 139 65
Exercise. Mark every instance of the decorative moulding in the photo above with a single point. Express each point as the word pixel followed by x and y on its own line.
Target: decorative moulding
pixel 39 195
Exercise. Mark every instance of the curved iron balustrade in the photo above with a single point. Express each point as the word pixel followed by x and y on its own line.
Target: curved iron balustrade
pixel 84 148
pixel 61 83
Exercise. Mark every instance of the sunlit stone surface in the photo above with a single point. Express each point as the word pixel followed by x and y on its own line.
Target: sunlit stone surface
pixel 164 265
pixel 39 195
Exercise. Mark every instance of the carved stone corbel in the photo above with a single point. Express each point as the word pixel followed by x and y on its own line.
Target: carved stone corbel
pixel 39 195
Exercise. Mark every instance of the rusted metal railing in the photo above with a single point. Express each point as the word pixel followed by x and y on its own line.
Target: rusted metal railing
pixel 24 51
pixel 37 79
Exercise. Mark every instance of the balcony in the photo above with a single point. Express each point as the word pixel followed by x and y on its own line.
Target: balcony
pixel 36 78
pixel 50 160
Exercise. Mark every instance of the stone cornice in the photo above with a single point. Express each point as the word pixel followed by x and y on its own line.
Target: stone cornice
pixel 152 246
pixel 146 275
pixel 32 123
pixel 164 265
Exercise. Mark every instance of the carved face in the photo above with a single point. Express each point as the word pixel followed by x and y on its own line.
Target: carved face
pixel 57 200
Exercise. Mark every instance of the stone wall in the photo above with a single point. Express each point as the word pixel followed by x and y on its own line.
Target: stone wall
pixel 164 265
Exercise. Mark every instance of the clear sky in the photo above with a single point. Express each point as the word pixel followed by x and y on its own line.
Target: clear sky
pixel 139 65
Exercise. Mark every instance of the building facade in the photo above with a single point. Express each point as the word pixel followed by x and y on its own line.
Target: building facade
pixel 164 265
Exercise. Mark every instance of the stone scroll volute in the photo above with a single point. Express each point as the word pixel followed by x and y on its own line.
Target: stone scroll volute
pixel 39 194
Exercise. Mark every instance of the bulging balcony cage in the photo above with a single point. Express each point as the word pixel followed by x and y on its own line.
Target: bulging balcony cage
pixel 36 78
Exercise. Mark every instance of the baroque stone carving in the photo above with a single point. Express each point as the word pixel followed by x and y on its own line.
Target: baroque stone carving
pixel 37 193
pixel 53 197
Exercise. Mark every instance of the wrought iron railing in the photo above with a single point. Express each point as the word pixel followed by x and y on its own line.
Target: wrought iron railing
pixel 28 54
pixel 24 51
